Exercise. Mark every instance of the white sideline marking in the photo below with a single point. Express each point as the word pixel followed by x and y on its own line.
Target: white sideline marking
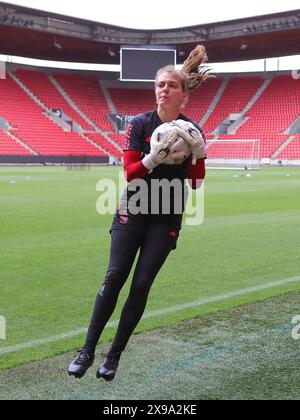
pixel 153 314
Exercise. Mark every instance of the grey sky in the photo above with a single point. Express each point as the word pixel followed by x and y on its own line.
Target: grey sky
pixel 156 14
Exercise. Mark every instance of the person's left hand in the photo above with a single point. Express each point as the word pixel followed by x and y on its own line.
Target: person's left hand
pixel 192 137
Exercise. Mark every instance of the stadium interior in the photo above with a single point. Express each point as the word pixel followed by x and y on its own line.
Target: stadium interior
pixel 48 115
pixel 61 114
pixel 222 320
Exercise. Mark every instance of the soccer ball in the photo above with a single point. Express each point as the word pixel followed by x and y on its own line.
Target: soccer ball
pixel 162 134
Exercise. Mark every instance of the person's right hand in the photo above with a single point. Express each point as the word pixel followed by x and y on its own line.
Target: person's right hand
pixel 160 151
pixel 155 158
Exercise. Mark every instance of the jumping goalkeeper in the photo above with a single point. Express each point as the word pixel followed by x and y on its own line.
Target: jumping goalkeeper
pixel 153 235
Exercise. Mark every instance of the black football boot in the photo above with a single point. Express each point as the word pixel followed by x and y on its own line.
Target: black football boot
pixel 109 367
pixel 81 364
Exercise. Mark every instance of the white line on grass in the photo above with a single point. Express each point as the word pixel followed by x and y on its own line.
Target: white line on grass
pixel 156 313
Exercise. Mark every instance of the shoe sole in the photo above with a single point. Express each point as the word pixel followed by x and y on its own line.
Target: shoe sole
pixel 107 379
pixel 77 375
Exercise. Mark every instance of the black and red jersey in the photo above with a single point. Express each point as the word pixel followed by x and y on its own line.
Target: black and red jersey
pixel 140 130
pixel 136 147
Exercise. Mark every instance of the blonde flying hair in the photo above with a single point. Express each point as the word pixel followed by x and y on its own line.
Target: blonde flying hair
pixel 193 73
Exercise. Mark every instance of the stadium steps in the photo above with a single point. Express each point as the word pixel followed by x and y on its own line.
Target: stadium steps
pixel 72 104
pixel 95 126
pixel 35 98
pixel 110 142
pixel 108 146
pixel 39 83
pixel 94 144
pixel 292 150
pixel 237 127
pixel 4 124
pixel 215 102
pixel 257 95
pixel 283 146
pixel 85 92
pixel 29 92
pixel 239 91
pixel 108 98
pixel 34 127
pixel 294 126
pixel 11 145
pixel 119 138
pixel 271 114
pixel 22 143
pixel 201 99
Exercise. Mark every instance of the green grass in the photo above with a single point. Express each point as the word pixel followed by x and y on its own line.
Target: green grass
pixel 54 250
pixel 243 353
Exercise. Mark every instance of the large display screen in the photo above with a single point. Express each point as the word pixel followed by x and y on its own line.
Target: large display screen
pixel 141 64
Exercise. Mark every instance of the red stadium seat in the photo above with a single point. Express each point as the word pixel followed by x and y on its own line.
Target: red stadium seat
pixel 268 119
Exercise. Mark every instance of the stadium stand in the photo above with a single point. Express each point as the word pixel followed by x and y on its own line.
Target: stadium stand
pixel 86 93
pixel 237 94
pixel 219 150
pixel 292 150
pixel 119 138
pixel 273 113
pixel 201 99
pixel 102 142
pixel 268 119
pixel 132 101
pixel 41 86
pixel 10 147
pixel 35 129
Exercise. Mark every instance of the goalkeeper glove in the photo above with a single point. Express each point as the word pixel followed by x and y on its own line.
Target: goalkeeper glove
pixel 192 137
pixel 156 157
pixel 159 150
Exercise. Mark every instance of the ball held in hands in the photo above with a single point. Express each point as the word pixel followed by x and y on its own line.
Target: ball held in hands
pixel 166 137
pixel 192 137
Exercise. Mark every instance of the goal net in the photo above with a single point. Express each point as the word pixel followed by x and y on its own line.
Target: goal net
pixel 78 163
pixel 233 153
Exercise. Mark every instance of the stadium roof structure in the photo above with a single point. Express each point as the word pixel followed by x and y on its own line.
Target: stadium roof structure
pixel 43 35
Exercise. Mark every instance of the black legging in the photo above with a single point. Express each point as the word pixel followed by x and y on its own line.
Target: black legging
pixel 155 247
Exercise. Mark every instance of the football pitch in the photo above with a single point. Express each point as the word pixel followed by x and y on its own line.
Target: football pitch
pixel 218 323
